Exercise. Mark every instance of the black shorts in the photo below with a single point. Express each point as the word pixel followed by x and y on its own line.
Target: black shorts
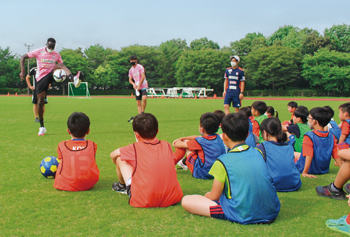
pixel 143 92
pixel 35 99
pixel 43 84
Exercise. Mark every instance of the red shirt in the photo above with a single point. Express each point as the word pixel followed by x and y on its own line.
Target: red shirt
pixel 308 145
pixel 345 128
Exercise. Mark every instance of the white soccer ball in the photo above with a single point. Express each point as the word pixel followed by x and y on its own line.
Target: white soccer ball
pixel 59 75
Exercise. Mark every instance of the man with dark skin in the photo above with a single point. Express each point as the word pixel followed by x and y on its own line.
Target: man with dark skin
pixel 46 62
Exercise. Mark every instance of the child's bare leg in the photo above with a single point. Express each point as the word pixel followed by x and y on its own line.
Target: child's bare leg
pixel 197 204
pixel 343 175
pixel 124 170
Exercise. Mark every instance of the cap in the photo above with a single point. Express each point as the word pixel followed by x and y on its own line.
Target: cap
pixel 236 57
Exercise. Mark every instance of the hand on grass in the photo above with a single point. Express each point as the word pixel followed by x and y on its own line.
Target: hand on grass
pixel 309 176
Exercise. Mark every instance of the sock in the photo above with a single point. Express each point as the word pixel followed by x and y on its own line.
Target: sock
pixel 184 161
pixel 335 189
pixel 179 154
pixel 348 219
pixel 41 122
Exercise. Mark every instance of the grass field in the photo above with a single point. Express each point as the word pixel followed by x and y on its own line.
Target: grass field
pixel 29 205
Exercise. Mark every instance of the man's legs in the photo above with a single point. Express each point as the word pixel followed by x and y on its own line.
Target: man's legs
pixel 139 108
pixel 236 109
pixel 40 105
pixel 197 204
pixel 227 109
pixel 144 103
pixel 35 110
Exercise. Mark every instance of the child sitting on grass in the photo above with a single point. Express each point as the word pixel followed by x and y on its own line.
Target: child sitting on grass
pixel 344 116
pixel 221 115
pixel 242 189
pixel 258 111
pixel 318 146
pixel 332 126
pixel 271 112
pixel 292 106
pixel 78 170
pixel 145 168
pixel 299 127
pixel 203 150
pixel 279 156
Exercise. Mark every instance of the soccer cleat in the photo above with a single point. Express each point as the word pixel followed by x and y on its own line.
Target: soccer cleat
pixel 339 225
pixel 77 81
pixel 120 188
pixel 184 167
pixel 42 131
pixel 131 119
pixel 347 188
pixel 325 191
pixel 37 120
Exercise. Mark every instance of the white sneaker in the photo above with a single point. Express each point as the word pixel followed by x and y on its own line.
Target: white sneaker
pixel 42 131
pixel 184 167
pixel 77 81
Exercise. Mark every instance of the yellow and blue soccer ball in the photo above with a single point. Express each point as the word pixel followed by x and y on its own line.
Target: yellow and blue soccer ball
pixel 48 166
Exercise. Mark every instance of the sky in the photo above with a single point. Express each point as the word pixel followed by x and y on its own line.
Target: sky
pixel 116 24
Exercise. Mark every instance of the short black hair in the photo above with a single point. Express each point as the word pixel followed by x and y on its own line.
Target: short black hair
pixel 272 111
pixel 302 113
pixel 210 122
pixel 235 126
pixel 260 106
pixel 146 125
pixel 345 107
pixel 293 104
pixel 330 110
pixel 78 124
pixel 51 40
pixel 273 127
pixel 132 57
pixel 246 110
pixel 321 115
pixel 220 114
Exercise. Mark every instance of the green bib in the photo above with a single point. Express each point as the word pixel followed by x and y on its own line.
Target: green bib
pixel 303 128
pixel 259 120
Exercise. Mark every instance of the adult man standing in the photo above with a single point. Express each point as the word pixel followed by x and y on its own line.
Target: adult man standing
pixel 46 59
pixel 233 85
pixel 137 72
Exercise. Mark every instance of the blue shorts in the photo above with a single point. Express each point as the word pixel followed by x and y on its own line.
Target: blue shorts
pixel 217 212
pixel 236 102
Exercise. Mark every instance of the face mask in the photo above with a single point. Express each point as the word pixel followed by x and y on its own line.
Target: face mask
pixel 49 50
pixel 133 63
pixel 233 64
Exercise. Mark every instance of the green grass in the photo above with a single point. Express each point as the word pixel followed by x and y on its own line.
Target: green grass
pixel 29 205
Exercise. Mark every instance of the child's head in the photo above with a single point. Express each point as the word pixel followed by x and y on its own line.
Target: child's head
pixel 210 122
pixel 146 125
pixel 329 110
pixel 319 115
pixel 220 114
pixel 270 111
pixel 344 111
pixel 246 110
pixel 292 106
pixel 78 124
pixel 258 108
pixel 300 115
pixel 272 127
pixel 235 126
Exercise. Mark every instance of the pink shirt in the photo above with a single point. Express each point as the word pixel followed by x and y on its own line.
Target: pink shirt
pixel 45 61
pixel 136 73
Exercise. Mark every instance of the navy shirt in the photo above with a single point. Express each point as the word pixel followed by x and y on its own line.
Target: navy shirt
pixel 235 77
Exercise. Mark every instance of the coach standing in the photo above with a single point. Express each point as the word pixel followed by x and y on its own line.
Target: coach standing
pixel 137 72
pixel 233 85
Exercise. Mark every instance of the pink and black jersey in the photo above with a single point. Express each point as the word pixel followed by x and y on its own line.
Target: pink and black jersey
pixel 45 61
pixel 234 77
pixel 136 73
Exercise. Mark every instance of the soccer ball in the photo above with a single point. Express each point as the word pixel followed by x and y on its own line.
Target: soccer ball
pixel 48 166
pixel 59 75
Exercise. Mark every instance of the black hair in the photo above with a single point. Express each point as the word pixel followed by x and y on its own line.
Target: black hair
pixel 273 127
pixel 220 114
pixel 302 113
pixel 260 106
pixel 210 122
pixel 146 125
pixel 330 110
pixel 78 124
pixel 293 104
pixel 345 107
pixel 132 58
pixel 321 115
pixel 51 40
pixel 272 111
pixel 235 126
pixel 246 110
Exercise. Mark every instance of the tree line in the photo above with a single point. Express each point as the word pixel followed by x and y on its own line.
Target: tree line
pixel 289 58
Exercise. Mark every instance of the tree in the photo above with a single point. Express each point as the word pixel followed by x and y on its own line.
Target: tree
pixel 279 35
pixel 9 70
pixel 314 41
pixel 340 34
pixel 329 70
pixel 202 68
pixel 273 67
pixel 203 43
pixel 96 56
pixel 251 41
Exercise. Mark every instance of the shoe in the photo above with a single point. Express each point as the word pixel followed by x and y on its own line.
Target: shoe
pixel 120 188
pixel 347 188
pixel 77 81
pixel 37 120
pixel 325 191
pixel 339 225
pixel 42 131
pixel 184 167
pixel 131 119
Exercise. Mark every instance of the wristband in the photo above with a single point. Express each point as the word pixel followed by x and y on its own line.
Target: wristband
pixel 241 92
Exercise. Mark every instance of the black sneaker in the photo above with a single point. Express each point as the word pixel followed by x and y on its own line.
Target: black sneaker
pixel 37 120
pixel 128 190
pixel 325 191
pixel 131 119
pixel 120 188
pixel 347 188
